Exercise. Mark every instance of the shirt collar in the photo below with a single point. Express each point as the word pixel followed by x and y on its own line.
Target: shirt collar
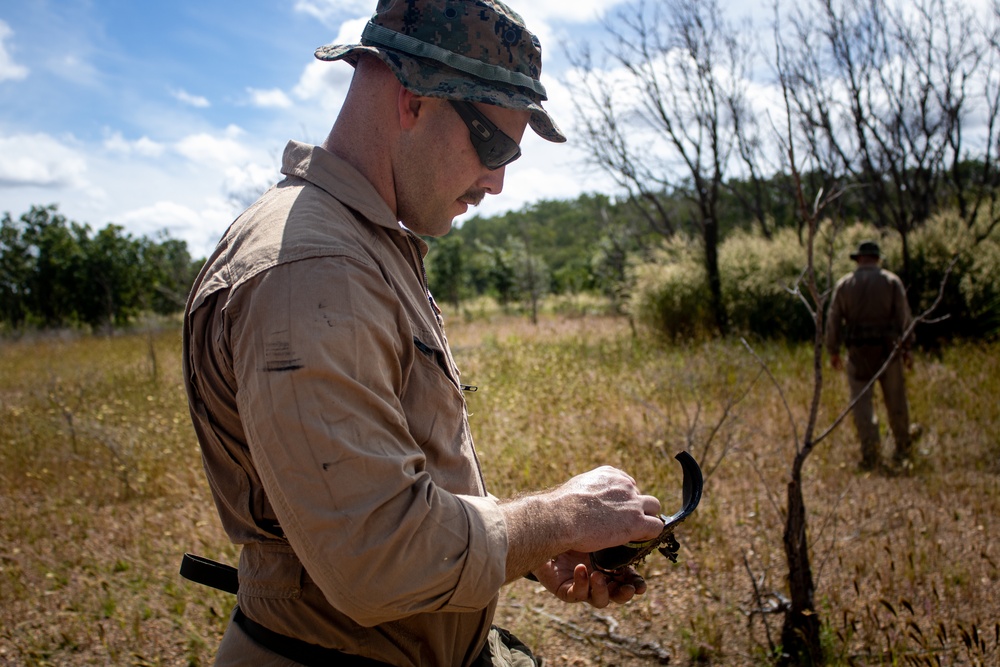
pixel 338 178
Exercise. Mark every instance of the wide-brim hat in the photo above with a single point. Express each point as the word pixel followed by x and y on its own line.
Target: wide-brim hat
pixel 867 249
pixel 472 50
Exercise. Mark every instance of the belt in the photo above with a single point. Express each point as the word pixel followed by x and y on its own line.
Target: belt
pixel 226 578
pixel 297 650
pixel 208 572
pixel 870 341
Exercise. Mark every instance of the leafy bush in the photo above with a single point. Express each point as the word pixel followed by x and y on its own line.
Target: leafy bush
pixel 671 295
pixel 760 276
pixel 971 301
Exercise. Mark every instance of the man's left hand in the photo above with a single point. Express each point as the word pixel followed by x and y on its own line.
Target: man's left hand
pixel 569 577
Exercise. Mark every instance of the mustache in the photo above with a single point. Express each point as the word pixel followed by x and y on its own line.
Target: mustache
pixel 473 196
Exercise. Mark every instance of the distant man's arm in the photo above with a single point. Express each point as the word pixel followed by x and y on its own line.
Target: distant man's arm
pixel 834 323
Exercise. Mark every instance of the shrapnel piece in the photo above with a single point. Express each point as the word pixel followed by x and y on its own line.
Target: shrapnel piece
pixel 615 559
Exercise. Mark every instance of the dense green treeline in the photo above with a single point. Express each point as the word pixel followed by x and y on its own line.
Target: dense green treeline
pixel 595 244
pixel 549 247
pixel 58 273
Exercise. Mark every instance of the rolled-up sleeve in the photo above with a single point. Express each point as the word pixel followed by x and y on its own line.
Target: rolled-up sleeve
pixel 361 443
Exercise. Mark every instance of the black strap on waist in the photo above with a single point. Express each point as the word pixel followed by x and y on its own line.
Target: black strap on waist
pixel 208 572
pixel 868 342
pixel 297 650
pixel 224 577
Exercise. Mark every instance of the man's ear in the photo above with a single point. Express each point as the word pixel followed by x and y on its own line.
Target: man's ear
pixel 409 106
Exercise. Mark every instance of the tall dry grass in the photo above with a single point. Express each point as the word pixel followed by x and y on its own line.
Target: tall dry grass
pixel 101 490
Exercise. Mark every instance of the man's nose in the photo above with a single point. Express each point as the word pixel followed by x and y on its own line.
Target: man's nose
pixel 492 180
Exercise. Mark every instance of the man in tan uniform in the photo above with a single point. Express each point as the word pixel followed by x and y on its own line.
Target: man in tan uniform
pixel 326 401
pixel 868 314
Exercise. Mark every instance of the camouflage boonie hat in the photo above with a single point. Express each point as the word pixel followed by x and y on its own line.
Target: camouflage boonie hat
pixel 473 50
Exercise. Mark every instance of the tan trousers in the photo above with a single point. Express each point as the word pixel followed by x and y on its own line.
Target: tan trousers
pixel 238 650
pixel 863 362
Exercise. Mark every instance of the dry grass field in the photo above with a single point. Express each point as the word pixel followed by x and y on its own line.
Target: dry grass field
pixel 101 491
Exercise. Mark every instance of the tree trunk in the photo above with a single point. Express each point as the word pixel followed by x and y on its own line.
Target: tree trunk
pixel 711 238
pixel 800 632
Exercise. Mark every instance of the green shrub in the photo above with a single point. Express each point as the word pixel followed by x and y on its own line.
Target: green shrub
pixel 758 278
pixel 971 302
pixel 762 281
pixel 671 296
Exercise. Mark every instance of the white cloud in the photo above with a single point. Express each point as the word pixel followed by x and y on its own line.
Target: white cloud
pixel 572 11
pixel 269 99
pixel 244 184
pixel 325 82
pixel 9 70
pixel 200 224
pixel 568 11
pixel 350 31
pixel 329 11
pixel 160 215
pixel 74 68
pixel 219 151
pixel 39 160
pixel 196 101
pixel 144 146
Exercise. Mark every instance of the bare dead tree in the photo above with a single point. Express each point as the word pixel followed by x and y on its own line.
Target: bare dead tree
pixel 800 635
pixel 663 118
pixel 884 92
pixel 976 181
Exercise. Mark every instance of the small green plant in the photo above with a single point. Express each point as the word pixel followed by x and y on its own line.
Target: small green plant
pixel 702 639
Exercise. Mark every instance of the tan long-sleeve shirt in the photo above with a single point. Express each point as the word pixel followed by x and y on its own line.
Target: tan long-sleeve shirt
pixel 333 428
pixel 869 308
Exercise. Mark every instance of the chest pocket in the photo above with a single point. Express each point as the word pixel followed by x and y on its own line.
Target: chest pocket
pixel 436 355
pixel 436 416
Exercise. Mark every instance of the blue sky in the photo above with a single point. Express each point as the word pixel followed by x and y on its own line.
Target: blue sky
pixel 151 115
pixel 173 115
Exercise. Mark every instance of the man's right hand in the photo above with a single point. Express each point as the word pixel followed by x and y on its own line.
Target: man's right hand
pixel 596 510
pixel 836 362
pixel 606 509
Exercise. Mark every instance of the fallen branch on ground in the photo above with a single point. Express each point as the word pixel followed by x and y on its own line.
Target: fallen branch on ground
pixel 610 638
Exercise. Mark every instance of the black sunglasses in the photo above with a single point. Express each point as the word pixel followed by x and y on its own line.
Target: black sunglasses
pixel 495 148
